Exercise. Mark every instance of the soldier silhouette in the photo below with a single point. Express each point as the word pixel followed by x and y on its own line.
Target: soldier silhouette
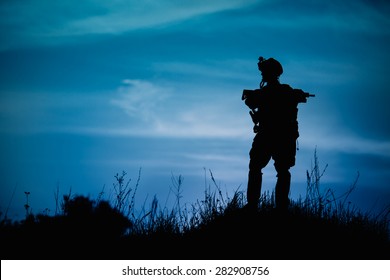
pixel 274 111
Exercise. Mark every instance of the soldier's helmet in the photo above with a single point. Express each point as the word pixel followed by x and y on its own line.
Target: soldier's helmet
pixel 270 67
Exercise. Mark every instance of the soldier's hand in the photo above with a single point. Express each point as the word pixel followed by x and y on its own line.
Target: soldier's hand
pixel 249 101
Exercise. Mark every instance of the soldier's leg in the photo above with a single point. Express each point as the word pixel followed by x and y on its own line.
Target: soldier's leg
pixel 282 188
pixel 255 178
pixel 284 159
pixel 259 158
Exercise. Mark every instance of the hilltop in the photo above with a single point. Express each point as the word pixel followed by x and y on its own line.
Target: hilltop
pixel 320 226
pixel 90 230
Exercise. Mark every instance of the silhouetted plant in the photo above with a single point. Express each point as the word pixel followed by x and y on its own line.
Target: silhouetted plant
pixel 65 200
pixel 177 189
pixel 27 205
pixel 317 220
pixel 325 204
pixel 123 202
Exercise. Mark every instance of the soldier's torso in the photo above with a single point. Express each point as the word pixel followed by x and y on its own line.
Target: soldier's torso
pixel 277 109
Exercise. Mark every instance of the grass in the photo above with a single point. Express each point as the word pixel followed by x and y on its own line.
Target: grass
pixel 318 226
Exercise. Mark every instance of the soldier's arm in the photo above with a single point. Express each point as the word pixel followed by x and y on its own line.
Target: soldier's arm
pixel 252 98
pixel 301 96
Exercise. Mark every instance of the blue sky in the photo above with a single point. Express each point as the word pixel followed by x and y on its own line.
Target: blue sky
pixel 91 88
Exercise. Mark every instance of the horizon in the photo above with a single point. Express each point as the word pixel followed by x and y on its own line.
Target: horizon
pixel 91 89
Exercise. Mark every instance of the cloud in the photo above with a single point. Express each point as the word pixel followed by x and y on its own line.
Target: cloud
pixel 152 111
pixel 141 99
pixel 343 16
pixel 226 69
pixel 129 15
pixel 348 143
pixel 26 21
pixel 321 73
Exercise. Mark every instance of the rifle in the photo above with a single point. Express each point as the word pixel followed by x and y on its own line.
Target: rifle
pixel 249 92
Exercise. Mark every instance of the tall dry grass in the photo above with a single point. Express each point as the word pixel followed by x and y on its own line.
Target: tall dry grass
pixel 319 225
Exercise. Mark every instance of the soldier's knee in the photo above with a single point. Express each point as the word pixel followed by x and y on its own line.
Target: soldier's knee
pixel 283 173
pixel 253 165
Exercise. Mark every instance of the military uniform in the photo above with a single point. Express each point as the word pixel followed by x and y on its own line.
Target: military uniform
pixel 274 112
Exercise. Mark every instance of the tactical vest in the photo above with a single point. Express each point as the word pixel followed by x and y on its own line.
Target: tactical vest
pixel 277 110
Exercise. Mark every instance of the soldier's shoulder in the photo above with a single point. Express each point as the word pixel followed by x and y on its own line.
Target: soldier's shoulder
pixel 286 87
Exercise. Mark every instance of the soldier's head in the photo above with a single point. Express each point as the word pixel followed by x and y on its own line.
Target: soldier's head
pixel 270 69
